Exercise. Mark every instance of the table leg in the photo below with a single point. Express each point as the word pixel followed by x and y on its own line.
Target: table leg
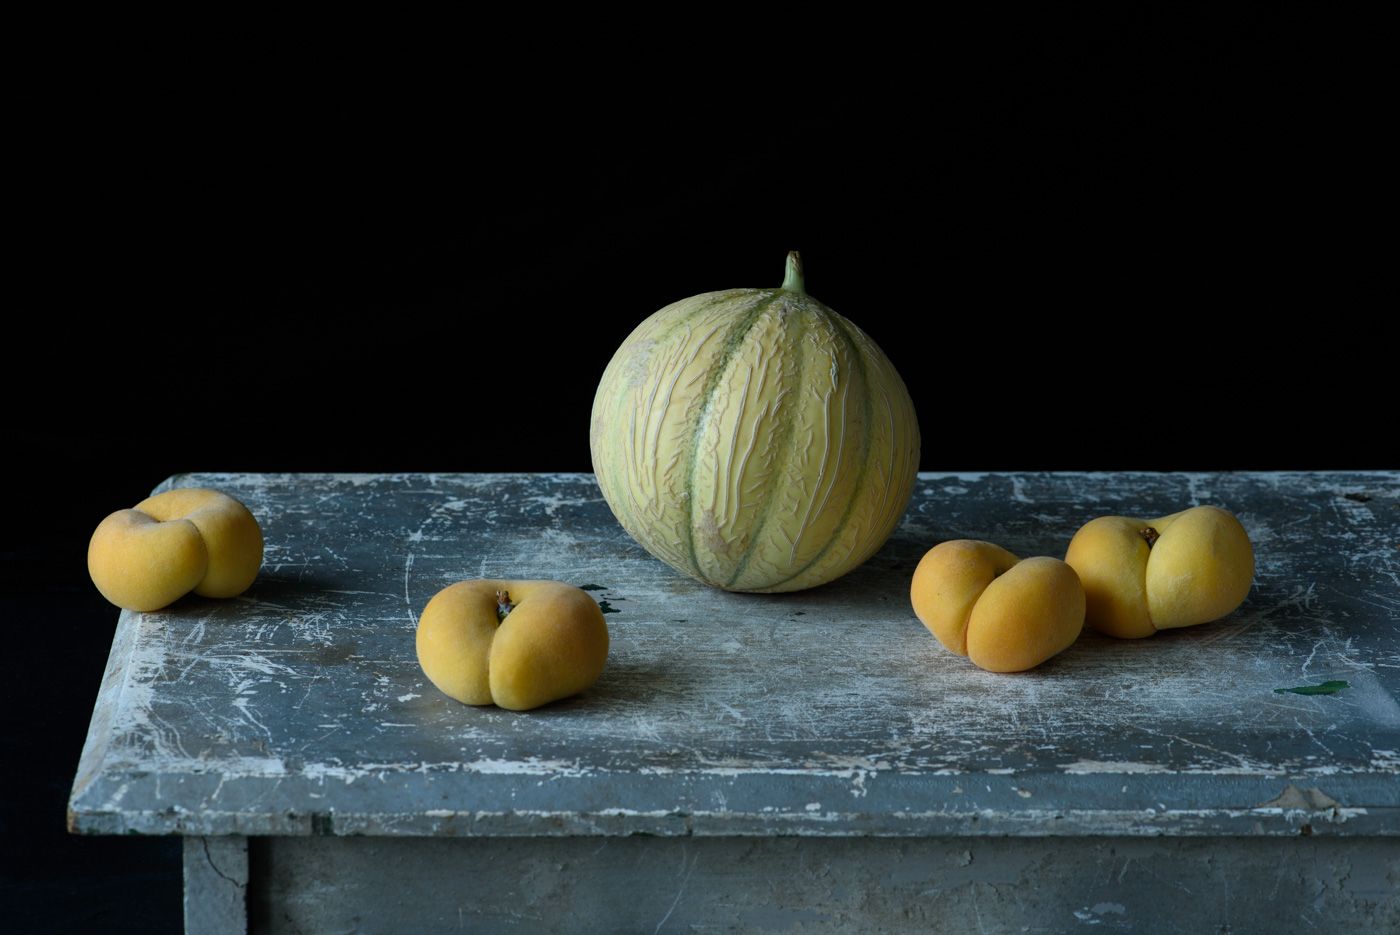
pixel 216 886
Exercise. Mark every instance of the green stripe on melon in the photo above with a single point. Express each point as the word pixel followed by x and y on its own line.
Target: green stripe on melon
pixel 755 439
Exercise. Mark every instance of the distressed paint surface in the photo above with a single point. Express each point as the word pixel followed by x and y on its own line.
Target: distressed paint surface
pixel 299 708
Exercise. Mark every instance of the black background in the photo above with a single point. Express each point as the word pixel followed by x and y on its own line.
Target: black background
pixel 1085 244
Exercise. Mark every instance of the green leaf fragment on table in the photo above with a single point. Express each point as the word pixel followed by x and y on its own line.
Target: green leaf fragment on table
pixel 1326 688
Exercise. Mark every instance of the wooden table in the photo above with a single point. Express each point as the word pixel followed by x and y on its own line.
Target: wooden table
pixel 811 761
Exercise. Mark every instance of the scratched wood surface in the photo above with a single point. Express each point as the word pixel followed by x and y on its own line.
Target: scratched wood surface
pixel 299 708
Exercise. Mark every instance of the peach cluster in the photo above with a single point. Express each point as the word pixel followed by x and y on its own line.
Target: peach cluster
pixel 1121 576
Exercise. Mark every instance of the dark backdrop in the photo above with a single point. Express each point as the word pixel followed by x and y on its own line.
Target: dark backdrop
pixel 1085 245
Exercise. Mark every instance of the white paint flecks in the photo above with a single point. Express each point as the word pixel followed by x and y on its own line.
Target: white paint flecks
pixel 1086 767
pixel 757 706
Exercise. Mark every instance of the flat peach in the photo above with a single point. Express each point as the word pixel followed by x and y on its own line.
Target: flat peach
pixel 1141 576
pixel 1005 614
pixel 176 542
pixel 516 644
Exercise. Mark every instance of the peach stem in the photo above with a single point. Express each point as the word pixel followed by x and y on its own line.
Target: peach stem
pixel 503 604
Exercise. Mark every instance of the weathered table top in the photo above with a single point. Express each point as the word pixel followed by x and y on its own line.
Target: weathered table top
pixel 299 708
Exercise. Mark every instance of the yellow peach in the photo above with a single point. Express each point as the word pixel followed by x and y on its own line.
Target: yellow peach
pixel 517 644
pixel 175 542
pixel 1141 576
pixel 1005 614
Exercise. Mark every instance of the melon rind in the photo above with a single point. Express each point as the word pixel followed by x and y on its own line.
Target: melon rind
pixel 755 440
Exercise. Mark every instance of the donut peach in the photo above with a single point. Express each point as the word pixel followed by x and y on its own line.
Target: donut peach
pixel 176 542
pixel 1003 613
pixel 1145 575
pixel 517 644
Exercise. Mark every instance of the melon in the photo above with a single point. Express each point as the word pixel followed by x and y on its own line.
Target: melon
pixel 754 439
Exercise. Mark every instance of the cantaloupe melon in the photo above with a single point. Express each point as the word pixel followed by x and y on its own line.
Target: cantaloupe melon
pixel 754 439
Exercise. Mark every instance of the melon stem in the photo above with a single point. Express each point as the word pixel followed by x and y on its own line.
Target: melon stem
pixel 792 275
